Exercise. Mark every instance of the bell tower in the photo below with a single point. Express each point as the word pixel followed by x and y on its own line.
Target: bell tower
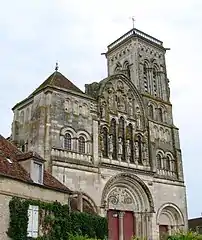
pixel 142 59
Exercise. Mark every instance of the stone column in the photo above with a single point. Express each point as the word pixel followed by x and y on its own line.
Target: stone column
pixel 121 214
pixel 138 224
pixel 95 142
pixel 150 83
pixel 80 202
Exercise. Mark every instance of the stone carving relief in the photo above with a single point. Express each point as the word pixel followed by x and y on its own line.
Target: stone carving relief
pixel 160 133
pixel 92 89
pixel 103 108
pixel 128 150
pixel 118 97
pixel 67 105
pixel 110 146
pixel 75 106
pixel 120 196
pixel 120 150
pixel 150 52
pixel 121 52
pixel 138 118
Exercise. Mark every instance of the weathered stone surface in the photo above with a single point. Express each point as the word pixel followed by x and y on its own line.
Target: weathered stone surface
pixel 123 124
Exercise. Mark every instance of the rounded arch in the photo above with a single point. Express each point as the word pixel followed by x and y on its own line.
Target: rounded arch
pixel 137 191
pixel 161 152
pixel 125 64
pixel 85 134
pixel 125 80
pixel 140 136
pixel 169 154
pixel 118 67
pixel 69 130
pixel 150 109
pixel 86 200
pixel 146 62
pixel 170 214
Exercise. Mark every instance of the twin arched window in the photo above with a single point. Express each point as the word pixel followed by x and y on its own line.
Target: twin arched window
pixel 68 143
pixel 164 163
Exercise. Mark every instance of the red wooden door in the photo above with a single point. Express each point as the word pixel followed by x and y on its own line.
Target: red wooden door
pixel 128 226
pixel 163 232
pixel 113 225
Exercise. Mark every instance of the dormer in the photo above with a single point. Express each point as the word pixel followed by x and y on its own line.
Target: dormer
pixel 34 165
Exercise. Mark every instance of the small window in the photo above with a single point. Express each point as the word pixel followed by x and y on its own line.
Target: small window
pixel 151 111
pixel 160 115
pixel 67 141
pixel 33 221
pixel 37 173
pixel 22 117
pixel 81 145
pixel 159 161
pixel 167 163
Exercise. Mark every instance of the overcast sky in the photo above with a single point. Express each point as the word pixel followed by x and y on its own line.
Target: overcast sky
pixel 35 34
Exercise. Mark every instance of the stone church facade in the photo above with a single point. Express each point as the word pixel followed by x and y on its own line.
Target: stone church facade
pixel 116 144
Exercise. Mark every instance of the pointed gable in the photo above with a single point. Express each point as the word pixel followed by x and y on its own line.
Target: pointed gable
pixel 58 80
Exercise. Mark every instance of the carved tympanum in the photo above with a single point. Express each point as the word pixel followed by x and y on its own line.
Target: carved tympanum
pixel 120 195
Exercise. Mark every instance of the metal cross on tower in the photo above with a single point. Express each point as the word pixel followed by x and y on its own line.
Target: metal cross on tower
pixel 56 67
pixel 133 19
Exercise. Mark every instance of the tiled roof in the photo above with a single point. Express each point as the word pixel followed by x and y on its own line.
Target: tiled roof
pixel 58 80
pixel 11 167
pixel 27 155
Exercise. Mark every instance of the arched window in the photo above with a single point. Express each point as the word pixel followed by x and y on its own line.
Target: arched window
pixel 22 117
pixel 160 114
pixel 139 141
pixel 151 111
pixel 27 114
pixel 145 75
pixel 122 136
pixel 168 163
pixel 155 81
pixel 130 137
pixel 127 68
pixel 113 132
pixel 117 68
pixel 105 141
pixel 128 71
pixel 68 141
pixel 159 161
pixel 81 145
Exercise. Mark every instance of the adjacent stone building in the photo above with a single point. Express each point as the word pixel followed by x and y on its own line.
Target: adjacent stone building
pixel 116 143
pixel 22 175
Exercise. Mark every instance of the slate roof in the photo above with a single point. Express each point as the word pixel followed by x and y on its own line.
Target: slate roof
pixel 11 167
pixel 58 80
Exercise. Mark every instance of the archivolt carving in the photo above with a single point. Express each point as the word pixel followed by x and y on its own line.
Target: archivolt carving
pixel 120 195
pixel 174 214
pixel 133 182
